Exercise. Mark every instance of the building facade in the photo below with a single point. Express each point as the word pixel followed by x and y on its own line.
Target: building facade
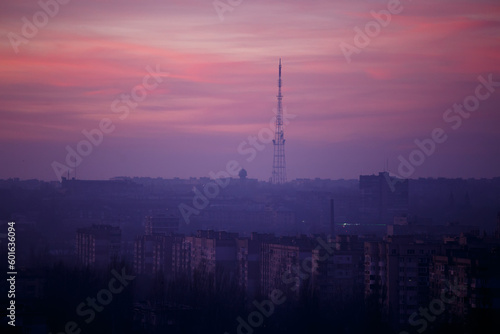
pixel 98 245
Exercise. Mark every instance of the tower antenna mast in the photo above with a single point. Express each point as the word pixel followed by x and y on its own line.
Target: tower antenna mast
pixel 279 164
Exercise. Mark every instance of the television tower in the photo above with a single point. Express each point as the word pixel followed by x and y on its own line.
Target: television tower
pixel 279 165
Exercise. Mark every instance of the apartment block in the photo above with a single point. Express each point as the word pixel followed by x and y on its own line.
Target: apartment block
pixel 98 245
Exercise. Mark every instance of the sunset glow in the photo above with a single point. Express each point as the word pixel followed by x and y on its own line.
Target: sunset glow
pixel 219 86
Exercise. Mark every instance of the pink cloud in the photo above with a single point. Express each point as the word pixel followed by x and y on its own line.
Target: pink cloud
pixel 222 77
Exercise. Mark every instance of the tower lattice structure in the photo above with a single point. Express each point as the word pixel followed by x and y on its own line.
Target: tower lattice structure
pixel 279 164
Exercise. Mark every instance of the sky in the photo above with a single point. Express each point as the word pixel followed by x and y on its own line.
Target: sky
pixel 168 88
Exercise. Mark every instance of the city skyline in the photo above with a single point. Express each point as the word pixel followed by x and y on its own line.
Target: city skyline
pixel 143 178
pixel 356 101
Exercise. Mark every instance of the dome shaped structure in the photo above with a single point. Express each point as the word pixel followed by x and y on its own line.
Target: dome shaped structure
pixel 242 174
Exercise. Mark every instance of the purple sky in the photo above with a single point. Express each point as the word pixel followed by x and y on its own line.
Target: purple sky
pixel 218 86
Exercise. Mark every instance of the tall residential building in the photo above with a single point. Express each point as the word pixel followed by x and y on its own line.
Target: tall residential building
pixel 340 272
pixel 382 198
pixel 153 254
pixel 249 257
pixel 153 251
pixel 98 245
pixel 210 254
pixel 470 279
pixel 397 274
pixel 289 264
pixel 181 258
pixel 375 282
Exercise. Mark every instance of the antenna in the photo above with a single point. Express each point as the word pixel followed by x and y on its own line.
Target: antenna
pixel 279 164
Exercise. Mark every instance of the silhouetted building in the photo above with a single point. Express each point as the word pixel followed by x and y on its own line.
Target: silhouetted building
pixel 153 254
pixel 100 188
pixel 161 224
pixel 469 278
pixel 249 263
pixel 340 274
pixel 98 245
pixel 288 264
pixel 382 198
pixel 243 174
pixel 397 274
pixel 209 254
